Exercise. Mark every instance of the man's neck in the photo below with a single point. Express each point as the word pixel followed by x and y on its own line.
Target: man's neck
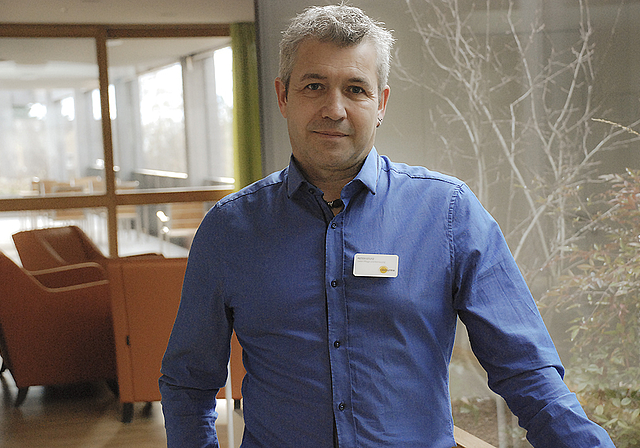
pixel 330 182
pixel 331 188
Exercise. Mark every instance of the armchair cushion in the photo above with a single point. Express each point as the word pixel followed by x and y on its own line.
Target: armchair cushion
pixel 54 335
pixel 56 246
pixel 145 300
pixel 76 274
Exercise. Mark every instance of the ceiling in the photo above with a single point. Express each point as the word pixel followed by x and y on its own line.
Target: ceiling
pixel 126 11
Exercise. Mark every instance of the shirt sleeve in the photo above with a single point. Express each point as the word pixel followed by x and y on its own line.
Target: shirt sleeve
pixel 194 366
pixel 508 335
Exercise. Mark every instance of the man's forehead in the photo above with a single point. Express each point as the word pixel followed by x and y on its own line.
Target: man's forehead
pixel 321 60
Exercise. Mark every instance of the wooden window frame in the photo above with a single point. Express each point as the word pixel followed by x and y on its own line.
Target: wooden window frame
pixel 110 200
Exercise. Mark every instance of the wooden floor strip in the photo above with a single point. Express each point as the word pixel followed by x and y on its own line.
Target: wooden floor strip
pixel 86 416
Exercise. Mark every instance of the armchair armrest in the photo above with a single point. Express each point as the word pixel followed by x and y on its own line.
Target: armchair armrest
pixel 65 276
pixel 145 255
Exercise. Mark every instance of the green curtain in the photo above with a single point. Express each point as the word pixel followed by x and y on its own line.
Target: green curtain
pixel 246 105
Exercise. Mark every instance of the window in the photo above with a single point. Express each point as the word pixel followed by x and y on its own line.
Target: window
pixel 162 119
pixel 169 130
pixel 39 102
pixel 174 122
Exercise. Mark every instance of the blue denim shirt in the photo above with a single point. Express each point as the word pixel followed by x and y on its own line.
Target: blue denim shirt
pixel 370 353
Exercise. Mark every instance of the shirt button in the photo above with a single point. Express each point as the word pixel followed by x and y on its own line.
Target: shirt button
pixel 341 406
pixel 334 283
pixel 334 225
pixel 336 344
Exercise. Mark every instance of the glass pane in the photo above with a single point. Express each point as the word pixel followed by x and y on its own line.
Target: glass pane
pixel 535 105
pixel 162 119
pixel 11 223
pixel 49 136
pixel 173 100
pixel 92 222
pixel 159 228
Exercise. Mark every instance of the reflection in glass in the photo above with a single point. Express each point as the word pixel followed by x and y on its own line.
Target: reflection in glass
pixel 92 222
pixel 159 228
pixel 177 222
pixel 45 85
pixel 162 119
pixel 174 100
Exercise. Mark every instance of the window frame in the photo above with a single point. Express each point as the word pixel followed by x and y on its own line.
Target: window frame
pixel 110 200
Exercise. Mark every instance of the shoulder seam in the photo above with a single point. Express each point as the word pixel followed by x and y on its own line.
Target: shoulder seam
pixel 457 192
pixel 246 192
pixel 426 176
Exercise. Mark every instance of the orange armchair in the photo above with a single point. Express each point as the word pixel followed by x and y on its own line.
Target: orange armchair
pixel 145 298
pixel 58 246
pixel 55 325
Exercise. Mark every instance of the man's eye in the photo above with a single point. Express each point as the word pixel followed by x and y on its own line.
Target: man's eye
pixel 356 90
pixel 314 86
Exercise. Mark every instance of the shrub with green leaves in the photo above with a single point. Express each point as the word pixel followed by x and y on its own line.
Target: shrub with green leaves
pixel 600 292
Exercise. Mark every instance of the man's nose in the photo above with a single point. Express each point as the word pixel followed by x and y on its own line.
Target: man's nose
pixel 334 106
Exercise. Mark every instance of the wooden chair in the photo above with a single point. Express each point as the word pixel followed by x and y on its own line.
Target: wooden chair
pixel 90 184
pixel 68 215
pixel 128 214
pixel 181 220
pixel 55 326
pixel 43 186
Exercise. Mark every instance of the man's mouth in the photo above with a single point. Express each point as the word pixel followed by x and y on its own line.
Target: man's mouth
pixel 330 133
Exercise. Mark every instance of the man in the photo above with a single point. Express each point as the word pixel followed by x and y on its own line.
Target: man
pixel 343 277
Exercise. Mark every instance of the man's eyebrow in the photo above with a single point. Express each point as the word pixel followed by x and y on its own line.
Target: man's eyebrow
pixel 360 80
pixel 308 76
pixel 354 80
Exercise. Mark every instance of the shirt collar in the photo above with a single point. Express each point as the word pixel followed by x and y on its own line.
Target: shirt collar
pixel 369 172
pixel 294 177
pixel 368 175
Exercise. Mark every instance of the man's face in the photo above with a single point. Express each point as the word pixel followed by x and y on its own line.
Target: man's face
pixel 332 106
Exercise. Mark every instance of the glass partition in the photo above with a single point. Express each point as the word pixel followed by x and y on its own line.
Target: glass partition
pixel 172 126
pixel 159 228
pixel 169 126
pixel 48 135
pixel 170 102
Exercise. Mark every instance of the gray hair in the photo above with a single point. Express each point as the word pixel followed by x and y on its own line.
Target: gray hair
pixel 339 24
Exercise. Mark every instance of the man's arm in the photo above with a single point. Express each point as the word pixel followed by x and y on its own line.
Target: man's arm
pixel 508 335
pixel 194 366
pixel 189 416
pixel 559 421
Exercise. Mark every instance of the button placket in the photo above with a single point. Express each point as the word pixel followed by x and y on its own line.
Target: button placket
pixel 337 320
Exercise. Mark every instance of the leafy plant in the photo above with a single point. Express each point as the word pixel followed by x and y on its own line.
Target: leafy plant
pixel 600 289
pixel 523 112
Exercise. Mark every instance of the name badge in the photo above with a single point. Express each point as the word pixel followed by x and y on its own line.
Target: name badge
pixel 375 265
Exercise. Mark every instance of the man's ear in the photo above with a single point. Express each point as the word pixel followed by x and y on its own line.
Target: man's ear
pixel 281 92
pixel 382 103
